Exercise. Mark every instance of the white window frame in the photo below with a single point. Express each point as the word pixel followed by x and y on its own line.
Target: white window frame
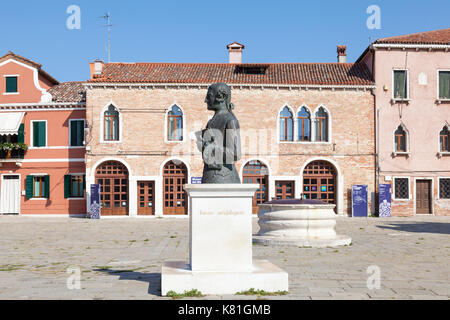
pixel 102 118
pixel 294 125
pixel 9 76
pixel 32 133
pixel 393 188
pixel 394 151
pixel 166 137
pixel 407 85
pixel 439 189
pixel 84 193
pixel 70 134
pixel 38 175
pixel 437 84
pixel 329 125
pixel 311 124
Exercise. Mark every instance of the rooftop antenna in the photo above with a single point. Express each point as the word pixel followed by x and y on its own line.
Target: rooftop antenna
pixel 107 17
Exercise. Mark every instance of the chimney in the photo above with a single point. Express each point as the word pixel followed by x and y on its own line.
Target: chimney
pixel 96 68
pixel 235 52
pixel 342 54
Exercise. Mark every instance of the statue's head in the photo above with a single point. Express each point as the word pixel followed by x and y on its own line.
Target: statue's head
pixel 218 97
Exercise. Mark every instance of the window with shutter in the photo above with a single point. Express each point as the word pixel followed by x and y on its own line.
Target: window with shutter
pixel 11 84
pixel 76 133
pixel 400 87
pixel 39 134
pixel 444 84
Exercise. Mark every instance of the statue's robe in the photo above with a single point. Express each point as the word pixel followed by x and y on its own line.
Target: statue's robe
pixel 219 156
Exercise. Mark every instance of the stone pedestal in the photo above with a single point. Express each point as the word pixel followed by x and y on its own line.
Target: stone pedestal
pixel 304 223
pixel 220 239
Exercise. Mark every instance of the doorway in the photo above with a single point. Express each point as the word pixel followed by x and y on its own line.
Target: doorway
pixel 112 176
pixel 423 196
pixel 10 194
pixel 175 176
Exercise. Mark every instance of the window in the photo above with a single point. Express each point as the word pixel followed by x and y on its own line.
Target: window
pixel 444 188
pixel 444 84
pixel 39 134
pixel 400 87
pixel 286 125
pixel 401 186
pixel 74 186
pixel 400 139
pixel 37 186
pixel 304 125
pixel 321 125
pixel 444 137
pixel 111 124
pixel 76 128
pixel 11 84
pixel 175 124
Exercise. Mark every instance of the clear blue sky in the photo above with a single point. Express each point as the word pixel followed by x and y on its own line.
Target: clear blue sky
pixel 198 31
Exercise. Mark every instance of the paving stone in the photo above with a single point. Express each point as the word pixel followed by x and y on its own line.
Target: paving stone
pixel 117 263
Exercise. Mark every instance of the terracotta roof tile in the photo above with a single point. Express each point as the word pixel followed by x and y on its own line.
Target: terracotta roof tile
pixel 68 92
pixel 429 37
pixel 272 73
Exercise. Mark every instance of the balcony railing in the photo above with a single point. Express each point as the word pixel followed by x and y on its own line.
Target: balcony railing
pixel 12 154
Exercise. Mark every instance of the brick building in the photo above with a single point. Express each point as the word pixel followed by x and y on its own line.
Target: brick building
pixel 41 141
pixel 412 76
pixel 306 130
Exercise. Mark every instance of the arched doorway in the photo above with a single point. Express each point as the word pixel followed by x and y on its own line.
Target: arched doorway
pixel 175 175
pixel 256 172
pixel 112 176
pixel 319 181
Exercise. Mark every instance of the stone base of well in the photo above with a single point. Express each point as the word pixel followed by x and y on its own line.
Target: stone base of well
pixel 177 276
pixel 298 222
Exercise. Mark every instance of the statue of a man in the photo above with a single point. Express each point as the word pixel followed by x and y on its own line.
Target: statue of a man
pixel 221 141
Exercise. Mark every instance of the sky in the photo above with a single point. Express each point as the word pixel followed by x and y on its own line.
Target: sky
pixel 198 31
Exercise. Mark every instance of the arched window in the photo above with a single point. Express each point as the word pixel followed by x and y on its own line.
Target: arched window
pixel 400 140
pixel 286 125
pixel 111 124
pixel 175 124
pixel 304 125
pixel 321 125
pixel 444 137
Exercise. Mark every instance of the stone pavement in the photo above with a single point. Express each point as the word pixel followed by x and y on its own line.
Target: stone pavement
pixel 122 258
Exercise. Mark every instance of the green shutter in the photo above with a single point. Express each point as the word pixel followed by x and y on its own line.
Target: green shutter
pixel 29 187
pixel 84 183
pixel 444 84
pixel 20 133
pixel 67 181
pixel 42 134
pixel 47 186
pixel 11 84
pixel 400 84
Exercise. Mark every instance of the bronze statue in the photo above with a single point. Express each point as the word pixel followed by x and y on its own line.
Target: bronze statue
pixel 221 141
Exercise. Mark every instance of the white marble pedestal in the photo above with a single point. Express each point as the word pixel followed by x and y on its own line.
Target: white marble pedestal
pixel 220 236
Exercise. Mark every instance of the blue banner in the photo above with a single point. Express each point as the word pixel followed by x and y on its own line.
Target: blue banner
pixel 196 180
pixel 359 201
pixel 94 207
pixel 384 200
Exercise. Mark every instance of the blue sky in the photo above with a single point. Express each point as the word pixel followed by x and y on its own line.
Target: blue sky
pixel 198 31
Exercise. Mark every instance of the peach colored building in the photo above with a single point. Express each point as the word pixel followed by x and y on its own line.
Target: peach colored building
pixel 307 130
pixel 412 76
pixel 42 153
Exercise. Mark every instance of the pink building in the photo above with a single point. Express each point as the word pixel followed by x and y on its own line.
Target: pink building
pixel 412 76
pixel 42 152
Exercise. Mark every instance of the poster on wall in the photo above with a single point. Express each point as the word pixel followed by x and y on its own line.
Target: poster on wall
pixel 359 201
pixel 384 200
pixel 94 207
